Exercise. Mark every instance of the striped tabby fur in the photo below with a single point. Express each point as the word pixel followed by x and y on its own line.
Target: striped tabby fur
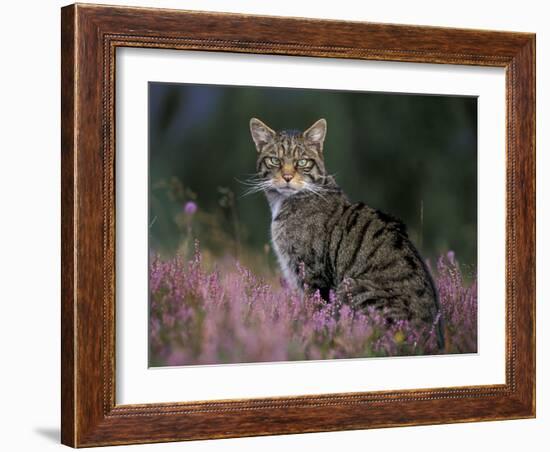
pixel 323 240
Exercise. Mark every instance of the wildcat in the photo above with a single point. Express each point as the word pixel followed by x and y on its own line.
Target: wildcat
pixel 323 240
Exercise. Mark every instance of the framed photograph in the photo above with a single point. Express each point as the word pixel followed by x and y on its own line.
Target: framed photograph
pixel 281 225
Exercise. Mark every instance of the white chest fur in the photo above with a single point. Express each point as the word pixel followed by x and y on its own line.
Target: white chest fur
pixel 275 203
pixel 283 259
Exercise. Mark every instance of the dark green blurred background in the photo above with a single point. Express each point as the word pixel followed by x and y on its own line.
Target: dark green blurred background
pixel 413 156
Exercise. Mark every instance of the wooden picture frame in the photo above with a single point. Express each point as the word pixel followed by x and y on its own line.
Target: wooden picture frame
pixel 90 36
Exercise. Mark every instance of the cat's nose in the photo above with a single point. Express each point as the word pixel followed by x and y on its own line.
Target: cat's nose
pixel 288 177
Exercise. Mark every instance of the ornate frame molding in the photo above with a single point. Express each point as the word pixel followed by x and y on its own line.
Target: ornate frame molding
pixel 90 36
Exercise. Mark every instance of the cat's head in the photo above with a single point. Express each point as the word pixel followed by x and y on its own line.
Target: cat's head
pixel 289 161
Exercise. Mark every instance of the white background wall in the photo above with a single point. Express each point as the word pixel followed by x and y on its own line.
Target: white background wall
pixel 29 224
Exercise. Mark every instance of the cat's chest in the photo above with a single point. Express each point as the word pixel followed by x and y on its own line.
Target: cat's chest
pixel 296 238
pixel 288 255
pixel 288 234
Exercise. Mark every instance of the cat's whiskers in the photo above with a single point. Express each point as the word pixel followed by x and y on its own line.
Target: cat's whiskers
pixel 257 187
pixel 251 181
pixel 255 184
pixel 315 190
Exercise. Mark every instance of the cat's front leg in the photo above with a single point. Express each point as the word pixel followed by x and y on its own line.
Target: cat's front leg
pixel 310 280
pixel 289 269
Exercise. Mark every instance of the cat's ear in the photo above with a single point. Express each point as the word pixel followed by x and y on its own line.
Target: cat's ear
pixel 316 133
pixel 261 133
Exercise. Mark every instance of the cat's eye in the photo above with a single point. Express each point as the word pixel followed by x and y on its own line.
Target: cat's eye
pixel 274 161
pixel 302 163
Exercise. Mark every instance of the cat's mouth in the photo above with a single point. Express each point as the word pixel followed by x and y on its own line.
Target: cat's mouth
pixel 287 190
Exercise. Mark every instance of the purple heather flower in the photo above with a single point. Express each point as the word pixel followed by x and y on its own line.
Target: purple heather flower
pixel 451 256
pixel 190 207
pixel 198 316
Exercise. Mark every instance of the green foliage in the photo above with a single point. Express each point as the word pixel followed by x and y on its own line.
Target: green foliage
pixel 413 156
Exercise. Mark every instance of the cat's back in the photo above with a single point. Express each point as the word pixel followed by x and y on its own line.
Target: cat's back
pixel 372 249
pixel 360 234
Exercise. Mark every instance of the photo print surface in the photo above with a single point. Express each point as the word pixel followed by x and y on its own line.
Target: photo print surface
pixel 297 224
